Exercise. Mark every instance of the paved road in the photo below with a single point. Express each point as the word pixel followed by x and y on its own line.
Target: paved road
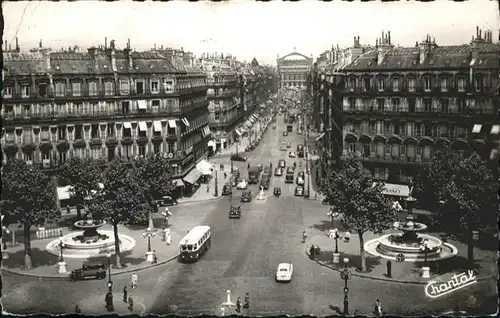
pixel 243 258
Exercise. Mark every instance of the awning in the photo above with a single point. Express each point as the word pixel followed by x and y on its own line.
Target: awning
pixel 211 143
pixel 495 129
pixel 141 104
pixel 204 167
pixel 127 125
pixel 143 126
pixel 185 121
pixel 319 137
pixel 255 116
pixel 477 128
pixel 178 182
pixel 238 132
pixel 171 123
pixel 192 176
pixel 63 193
pixel 208 132
pixel 157 125
pixel 395 189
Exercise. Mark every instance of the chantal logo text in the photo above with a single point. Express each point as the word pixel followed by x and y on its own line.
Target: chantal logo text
pixel 456 282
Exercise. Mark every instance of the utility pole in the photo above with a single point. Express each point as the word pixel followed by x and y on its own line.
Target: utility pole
pixel 217 183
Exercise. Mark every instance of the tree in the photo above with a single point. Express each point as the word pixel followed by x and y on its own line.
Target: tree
pixel 83 175
pixel 156 176
pixel 350 191
pixel 466 196
pixel 120 200
pixel 28 197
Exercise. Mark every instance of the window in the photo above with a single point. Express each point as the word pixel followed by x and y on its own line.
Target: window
pixel 76 89
pixel 59 86
pixel 443 131
pixel 462 105
pixel 139 87
pixel 7 92
pixel 168 85
pixel 111 130
pixel 28 156
pixel 94 131
pixel 461 84
pixel 217 116
pixel 45 155
pixel 426 152
pixel 155 103
pixel 352 83
pixel 478 83
pixel 125 107
pixel 395 104
pixel 381 173
pixel 410 151
pixel 154 87
pixel 395 85
pixel 395 128
pixel 42 90
pixel 156 148
pixel 124 87
pixel 95 153
pixel 78 132
pixel 92 88
pixel 366 84
pixel 427 84
pixel 366 150
pixel 109 88
pixel 26 110
pixel 61 131
pixel 444 84
pixel 409 129
pixel 142 150
pixel 127 132
pixel 80 152
pixel 395 150
pixel 379 127
pixel 380 104
pixel 62 157
pixel 444 105
pixel 428 130
pixel 351 147
pixel 380 84
pixel 411 84
pixel 411 105
pixel 25 91
pixel 427 105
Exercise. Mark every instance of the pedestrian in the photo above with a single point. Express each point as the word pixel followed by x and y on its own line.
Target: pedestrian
pixel 311 251
pixel 208 188
pixel 134 280
pixel 222 311
pixel 125 292
pixel 77 309
pixel 347 236
pixel 155 258
pixel 378 308
pixel 238 305
pixel 225 175
pixel 130 303
pixel 247 301
pixel 68 211
pixel 169 237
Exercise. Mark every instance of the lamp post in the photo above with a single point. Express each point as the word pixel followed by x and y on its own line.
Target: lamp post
pixel 231 158
pixel 333 215
pixel 345 274
pixel 148 234
pixel 336 237
pixel 216 182
pixel 110 282
pixel 424 246
pixel 62 263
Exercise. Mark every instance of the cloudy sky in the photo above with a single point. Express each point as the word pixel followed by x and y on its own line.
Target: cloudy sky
pixel 245 28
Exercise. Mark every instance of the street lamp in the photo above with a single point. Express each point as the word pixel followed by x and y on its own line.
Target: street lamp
pixel 333 215
pixel 231 158
pixel 110 282
pixel 216 182
pixel 345 274
pixel 148 234
pixel 61 247
pixel 336 237
pixel 424 246
pixel 167 214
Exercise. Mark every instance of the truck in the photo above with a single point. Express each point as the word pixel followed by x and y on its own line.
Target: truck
pixel 265 181
pixel 253 175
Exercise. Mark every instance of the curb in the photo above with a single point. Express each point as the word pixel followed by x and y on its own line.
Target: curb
pixel 201 200
pixel 65 277
pixel 397 281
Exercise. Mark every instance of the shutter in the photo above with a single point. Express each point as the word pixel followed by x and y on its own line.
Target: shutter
pixel 87 153
pixel 104 152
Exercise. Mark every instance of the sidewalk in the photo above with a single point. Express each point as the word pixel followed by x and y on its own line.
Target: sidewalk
pixel 45 265
pixel 95 304
pixel 405 272
pixel 206 192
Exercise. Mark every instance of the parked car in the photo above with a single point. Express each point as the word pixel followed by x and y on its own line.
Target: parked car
pixel 300 181
pixel 238 157
pixel 246 196
pixel 89 270
pixel 277 191
pixel 299 191
pixel 278 172
pixel 292 154
pixel 242 185
pixel 285 133
pixel 167 200
pixel 282 163
pixel 290 170
pixel 284 272
pixel 227 189
pixel 301 175
pixel 289 145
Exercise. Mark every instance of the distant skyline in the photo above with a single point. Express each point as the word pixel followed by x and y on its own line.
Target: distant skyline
pixel 245 29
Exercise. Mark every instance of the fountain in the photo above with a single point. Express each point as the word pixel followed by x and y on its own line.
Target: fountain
pixel 90 242
pixel 408 241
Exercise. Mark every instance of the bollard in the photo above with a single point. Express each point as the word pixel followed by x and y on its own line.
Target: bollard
pixel 389 269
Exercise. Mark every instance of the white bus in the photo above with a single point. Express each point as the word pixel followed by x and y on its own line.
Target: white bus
pixel 195 243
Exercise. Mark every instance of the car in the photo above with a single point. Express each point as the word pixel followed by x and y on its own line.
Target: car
pixel 285 133
pixel 167 200
pixel 235 212
pixel 284 272
pixel 282 163
pixel 290 170
pixel 233 180
pixel 242 185
pixel 277 191
pixel 227 189
pixel 260 166
pixel 238 157
pixel 289 145
pixel 246 196
pixel 88 270
pixel 278 172
pixel 283 146
pixel 292 154
pixel 299 191
pixel 274 126
pixel 300 181
pixel 301 175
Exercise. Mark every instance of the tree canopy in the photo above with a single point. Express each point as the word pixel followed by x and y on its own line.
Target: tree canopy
pixel 350 190
pixel 156 175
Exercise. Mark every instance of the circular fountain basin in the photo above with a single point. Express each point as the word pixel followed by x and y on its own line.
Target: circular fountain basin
pixel 416 226
pixel 89 248
pixel 384 248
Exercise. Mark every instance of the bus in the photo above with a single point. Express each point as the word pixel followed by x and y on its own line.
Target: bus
pixel 253 175
pixel 195 243
pixel 265 181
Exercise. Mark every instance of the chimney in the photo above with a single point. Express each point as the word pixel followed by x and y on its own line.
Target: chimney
pixel 383 38
pixel 93 53
pixel 40 44
pixel 17 45
pixel 389 37
pixel 477 33
pixel 112 54
pixel 46 56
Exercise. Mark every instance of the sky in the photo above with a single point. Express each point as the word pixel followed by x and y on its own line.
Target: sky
pixel 245 28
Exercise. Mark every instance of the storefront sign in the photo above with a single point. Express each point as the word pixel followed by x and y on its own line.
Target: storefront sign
pixel 456 282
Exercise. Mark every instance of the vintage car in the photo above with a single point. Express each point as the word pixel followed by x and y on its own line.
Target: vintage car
pixel 227 189
pixel 282 163
pixel 284 272
pixel 242 185
pixel 235 212
pixel 292 154
pixel 246 196
pixel 238 157
pixel 299 191
pixel 168 200
pixel 95 270
pixel 278 172
pixel 277 191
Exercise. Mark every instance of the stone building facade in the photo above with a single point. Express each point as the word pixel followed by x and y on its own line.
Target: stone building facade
pixel 293 69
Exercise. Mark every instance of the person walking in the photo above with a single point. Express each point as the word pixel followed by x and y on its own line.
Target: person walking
pixel 238 305
pixel 347 236
pixel 155 258
pixel 134 280
pixel 125 294
pixel 247 301
pixel 130 303
pixel 312 251
pixel 77 309
pixel 378 308
pixel 225 175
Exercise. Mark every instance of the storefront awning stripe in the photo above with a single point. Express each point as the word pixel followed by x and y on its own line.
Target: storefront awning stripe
pixel 477 128
pixel 157 125
pixel 495 129
pixel 127 125
pixel 193 176
pixel 171 123
pixel 143 126
pixel 141 104
pixel 320 136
